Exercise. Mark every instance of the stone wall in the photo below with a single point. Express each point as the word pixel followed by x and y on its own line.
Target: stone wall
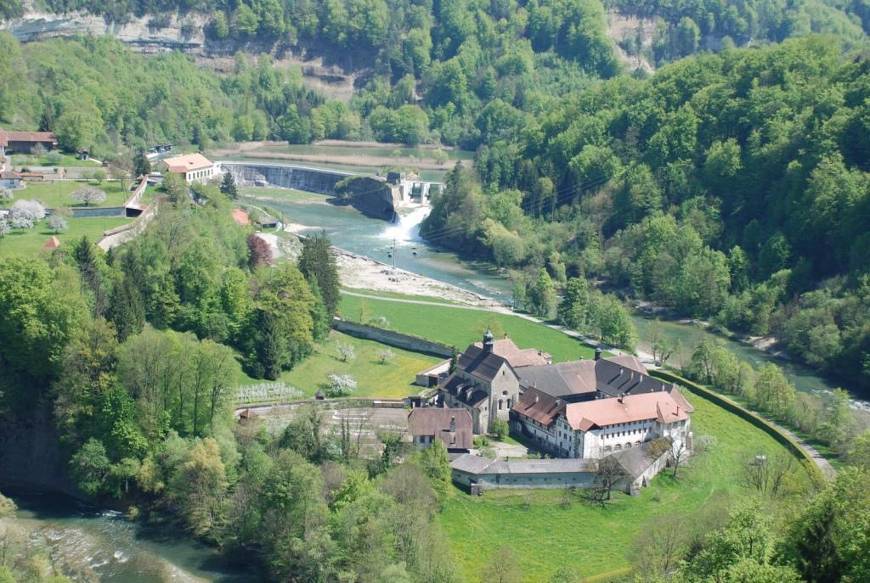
pixel 371 196
pixel 395 339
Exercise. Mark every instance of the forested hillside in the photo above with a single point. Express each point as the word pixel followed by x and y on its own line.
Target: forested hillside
pixel 460 71
pixel 97 94
pixel 731 186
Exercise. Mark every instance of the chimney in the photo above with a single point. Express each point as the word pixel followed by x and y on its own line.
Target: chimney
pixel 452 424
pixel 598 353
pixel 488 341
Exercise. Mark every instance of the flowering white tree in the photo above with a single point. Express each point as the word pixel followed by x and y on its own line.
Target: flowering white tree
pixel 340 385
pixel 26 213
pixel 4 229
pixel 385 355
pixel 88 195
pixel 345 352
pixel 56 223
pixel 6 194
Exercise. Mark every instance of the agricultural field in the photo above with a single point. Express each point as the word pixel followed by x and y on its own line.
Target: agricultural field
pixel 59 194
pixel 391 380
pixel 549 528
pixel 29 242
pixel 459 327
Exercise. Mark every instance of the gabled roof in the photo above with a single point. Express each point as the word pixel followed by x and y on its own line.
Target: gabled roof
pixel 463 391
pixel 52 243
pixel 516 356
pixel 38 137
pixel 187 163
pixel 611 376
pixel 538 406
pixel 477 362
pixel 452 426
pixel 664 407
pixel 635 460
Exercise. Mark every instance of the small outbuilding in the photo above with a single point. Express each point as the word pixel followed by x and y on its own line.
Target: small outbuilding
pixel 451 426
pixel 52 244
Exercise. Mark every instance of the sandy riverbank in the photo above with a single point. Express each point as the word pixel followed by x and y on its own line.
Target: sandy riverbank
pixel 364 273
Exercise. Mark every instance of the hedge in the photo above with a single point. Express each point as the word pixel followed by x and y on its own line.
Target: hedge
pixel 753 418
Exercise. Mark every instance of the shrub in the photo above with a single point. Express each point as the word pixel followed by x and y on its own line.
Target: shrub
pixel 340 385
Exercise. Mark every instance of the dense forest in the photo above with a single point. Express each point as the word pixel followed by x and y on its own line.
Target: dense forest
pixel 731 186
pixel 135 354
pixel 457 72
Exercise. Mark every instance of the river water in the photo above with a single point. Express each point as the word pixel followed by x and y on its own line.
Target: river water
pixel 401 243
pixel 100 545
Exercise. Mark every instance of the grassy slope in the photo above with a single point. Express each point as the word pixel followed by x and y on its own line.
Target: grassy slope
pixel 391 380
pixel 58 194
pixel 30 242
pixel 596 541
pixel 459 327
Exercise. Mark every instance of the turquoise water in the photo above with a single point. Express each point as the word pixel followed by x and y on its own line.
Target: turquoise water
pixel 349 229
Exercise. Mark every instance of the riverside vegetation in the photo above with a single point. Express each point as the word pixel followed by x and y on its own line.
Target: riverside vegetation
pixel 730 186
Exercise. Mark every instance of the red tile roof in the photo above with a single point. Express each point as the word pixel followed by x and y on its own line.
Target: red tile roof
pixel 12 136
pixel 187 163
pixel 664 407
pixel 52 243
pixel 241 217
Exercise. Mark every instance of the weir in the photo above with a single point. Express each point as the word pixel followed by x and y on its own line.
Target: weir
pixel 372 196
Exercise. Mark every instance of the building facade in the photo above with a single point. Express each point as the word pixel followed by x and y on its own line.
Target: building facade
pixel 453 427
pixel 191 167
pixel 485 383
pixel 25 142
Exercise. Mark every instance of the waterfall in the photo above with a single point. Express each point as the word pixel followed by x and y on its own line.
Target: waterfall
pixel 406 228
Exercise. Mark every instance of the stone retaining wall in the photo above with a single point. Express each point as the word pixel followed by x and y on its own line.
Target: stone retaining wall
pixel 395 339
pixel 745 414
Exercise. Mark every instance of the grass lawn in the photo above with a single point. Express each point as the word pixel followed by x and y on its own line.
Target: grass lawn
pixel 55 159
pixel 282 194
pixel 391 380
pixel 544 534
pixel 59 194
pixel 29 242
pixel 459 327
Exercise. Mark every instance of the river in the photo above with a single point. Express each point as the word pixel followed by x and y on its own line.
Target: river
pixel 401 243
pixel 100 545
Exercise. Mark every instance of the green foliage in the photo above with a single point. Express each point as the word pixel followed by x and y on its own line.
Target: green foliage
pixel 317 264
pixel 829 541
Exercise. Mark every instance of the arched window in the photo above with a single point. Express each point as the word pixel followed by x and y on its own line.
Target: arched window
pixel 608 449
pixel 617 447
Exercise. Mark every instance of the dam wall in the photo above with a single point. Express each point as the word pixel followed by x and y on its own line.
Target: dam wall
pixel 371 196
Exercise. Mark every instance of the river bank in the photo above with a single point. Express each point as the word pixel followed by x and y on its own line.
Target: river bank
pixel 377 245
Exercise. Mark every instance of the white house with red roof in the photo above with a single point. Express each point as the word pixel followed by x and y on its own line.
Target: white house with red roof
pixel 191 167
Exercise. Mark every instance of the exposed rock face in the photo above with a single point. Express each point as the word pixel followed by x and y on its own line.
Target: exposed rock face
pixel 371 196
pixel 183 33
pixel 170 32
pixel 31 455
